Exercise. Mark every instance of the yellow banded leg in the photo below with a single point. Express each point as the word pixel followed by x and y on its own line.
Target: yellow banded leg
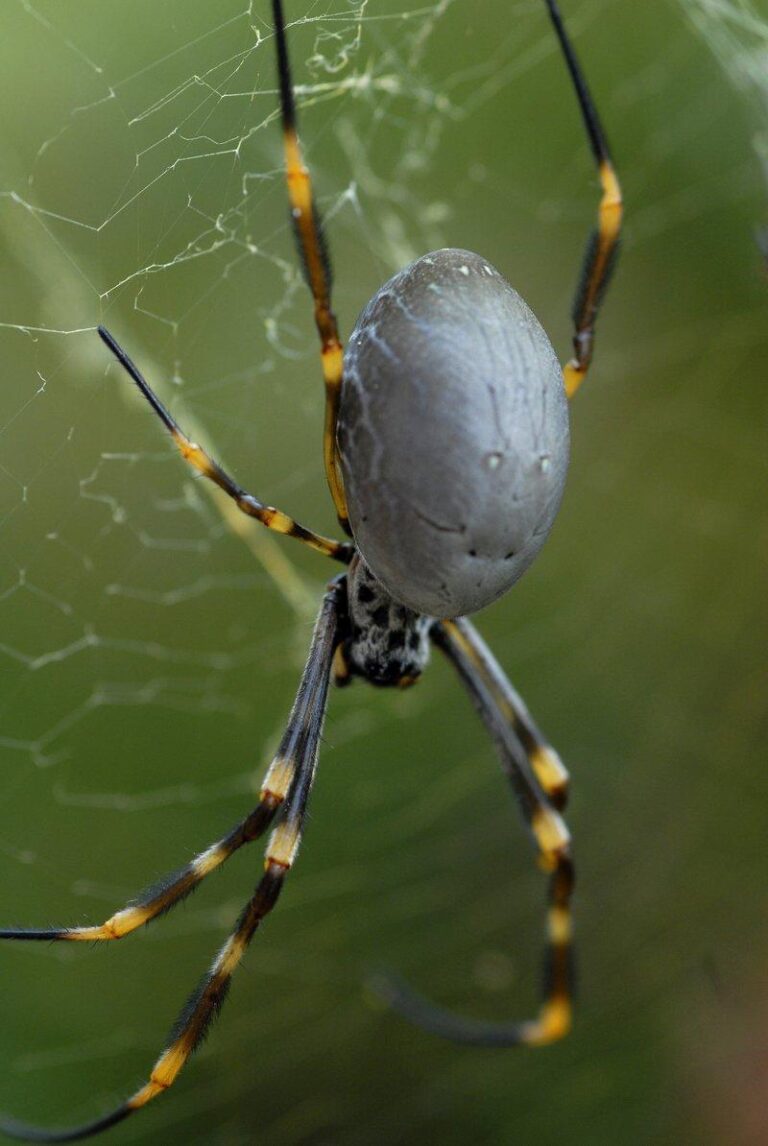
pixel 555 1016
pixel 301 738
pixel 167 892
pixel 205 1002
pixel 603 244
pixel 599 261
pixel 190 1028
pixel 547 766
pixel 554 852
pixel 305 728
pixel 483 679
pixel 272 518
pixel 310 239
pixel 203 1005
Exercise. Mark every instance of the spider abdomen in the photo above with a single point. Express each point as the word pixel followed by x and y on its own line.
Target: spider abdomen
pixel 453 434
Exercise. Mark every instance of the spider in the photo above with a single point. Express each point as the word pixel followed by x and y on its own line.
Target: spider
pixel 445 450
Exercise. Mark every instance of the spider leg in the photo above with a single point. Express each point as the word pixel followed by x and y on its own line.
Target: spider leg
pixel 603 244
pixel 273 518
pixel 161 896
pixel 552 840
pixel 310 238
pixel 301 742
pixel 547 766
pixel 165 893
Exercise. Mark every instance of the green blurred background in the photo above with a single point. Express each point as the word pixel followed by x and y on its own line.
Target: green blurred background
pixel 148 656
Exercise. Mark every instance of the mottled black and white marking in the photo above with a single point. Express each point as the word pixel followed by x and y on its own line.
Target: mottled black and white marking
pixel 388 643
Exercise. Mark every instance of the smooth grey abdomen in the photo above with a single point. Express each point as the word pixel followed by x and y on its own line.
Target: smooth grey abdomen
pixel 453 434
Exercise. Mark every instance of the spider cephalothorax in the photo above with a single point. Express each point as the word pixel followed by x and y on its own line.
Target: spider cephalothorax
pixel 445 451
pixel 388 643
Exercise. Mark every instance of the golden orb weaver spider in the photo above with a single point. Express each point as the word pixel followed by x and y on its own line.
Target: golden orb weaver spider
pixel 449 382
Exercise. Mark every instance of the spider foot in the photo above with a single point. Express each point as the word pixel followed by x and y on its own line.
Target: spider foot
pixel 552 1023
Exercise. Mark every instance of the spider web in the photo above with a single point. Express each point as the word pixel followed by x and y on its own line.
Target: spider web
pixel 151 639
